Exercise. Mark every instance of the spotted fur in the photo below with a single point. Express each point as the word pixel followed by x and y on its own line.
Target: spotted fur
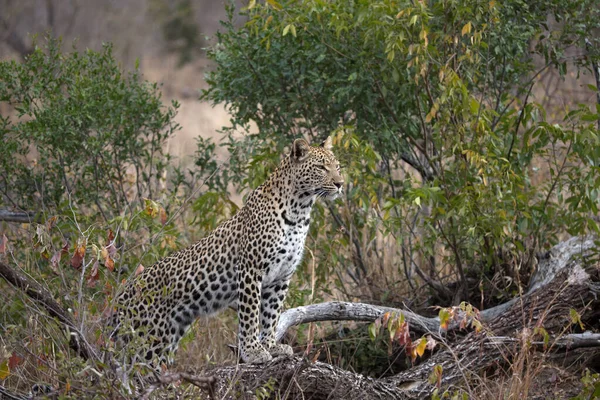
pixel 247 261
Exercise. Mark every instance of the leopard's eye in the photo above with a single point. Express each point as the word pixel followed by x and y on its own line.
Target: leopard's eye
pixel 323 167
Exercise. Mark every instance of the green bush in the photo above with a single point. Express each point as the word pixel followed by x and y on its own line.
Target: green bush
pixel 80 132
pixel 431 107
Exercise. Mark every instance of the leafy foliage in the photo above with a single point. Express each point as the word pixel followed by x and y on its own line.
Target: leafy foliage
pixel 84 133
pixel 431 107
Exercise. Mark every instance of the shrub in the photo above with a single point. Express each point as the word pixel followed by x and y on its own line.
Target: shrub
pixel 82 133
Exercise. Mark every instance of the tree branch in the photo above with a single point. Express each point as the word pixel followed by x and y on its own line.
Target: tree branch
pixel 568 342
pixel 44 298
pixel 25 217
pixel 344 311
pixel 203 382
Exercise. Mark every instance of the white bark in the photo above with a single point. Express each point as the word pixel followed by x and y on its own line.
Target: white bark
pixel 564 255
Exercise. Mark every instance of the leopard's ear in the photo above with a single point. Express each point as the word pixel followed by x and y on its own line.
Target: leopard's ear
pixel 327 144
pixel 300 150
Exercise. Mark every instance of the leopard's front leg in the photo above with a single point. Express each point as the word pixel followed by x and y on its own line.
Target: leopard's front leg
pixel 249 298
pixel 272 300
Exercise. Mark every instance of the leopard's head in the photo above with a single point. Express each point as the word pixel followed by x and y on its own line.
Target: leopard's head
pixel 316 170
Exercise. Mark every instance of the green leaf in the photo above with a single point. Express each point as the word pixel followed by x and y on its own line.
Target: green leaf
pixel 4 370
pixel 575 317
pixel 373 331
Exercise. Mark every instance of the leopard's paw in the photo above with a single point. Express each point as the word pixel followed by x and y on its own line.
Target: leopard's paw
pixel 256 355
pixel 280 349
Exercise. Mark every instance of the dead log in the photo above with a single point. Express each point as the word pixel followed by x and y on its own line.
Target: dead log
pixel 296 378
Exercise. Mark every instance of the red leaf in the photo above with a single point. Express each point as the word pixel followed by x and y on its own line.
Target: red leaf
pixel 51 222
pixel 431 343
pixel 77 259
pixel 111 236
pixel 163 216
pixel 402 334
pixel 94 275
pixel 14 361
pixel 111 249
pixel 109 263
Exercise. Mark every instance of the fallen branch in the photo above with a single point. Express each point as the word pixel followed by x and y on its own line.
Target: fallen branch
pixel 298 378
pixel 567 342
pixel 25 217
pixel 203 382
pixel 6 394
pixel 44 298
pixel 344 311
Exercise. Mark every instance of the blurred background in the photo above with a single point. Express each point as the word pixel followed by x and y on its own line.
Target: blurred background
pixel 166 37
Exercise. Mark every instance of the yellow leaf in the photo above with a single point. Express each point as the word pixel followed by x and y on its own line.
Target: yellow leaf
pixel 251 4
pixel 423 36
pixel 575 317
pixel 268 21
pixel 274 4
pixel 466 29
pixel 420 348
pixel 104 253
pixel 293 30
pixel 444 316
pixel 4 370
pixel 432 113
pixel 151 208
pixel 385 318
pixel 286 30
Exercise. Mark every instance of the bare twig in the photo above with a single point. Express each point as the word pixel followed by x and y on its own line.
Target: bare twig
pixel 41 296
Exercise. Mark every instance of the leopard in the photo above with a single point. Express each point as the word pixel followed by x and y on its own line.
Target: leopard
pixel 246 263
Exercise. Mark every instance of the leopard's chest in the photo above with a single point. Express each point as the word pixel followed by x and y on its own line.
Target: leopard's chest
pixel 287 252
